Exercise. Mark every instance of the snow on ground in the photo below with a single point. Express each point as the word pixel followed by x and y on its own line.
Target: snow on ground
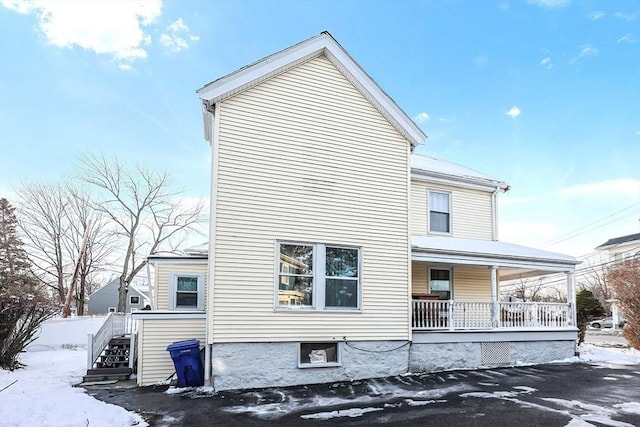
pixel 615 356
pixel 42 394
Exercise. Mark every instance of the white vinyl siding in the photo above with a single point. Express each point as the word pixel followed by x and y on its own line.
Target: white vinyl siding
pixel 154 361
pixel 305 157
pixel 469 283
pixel 163 280
pixel 471 211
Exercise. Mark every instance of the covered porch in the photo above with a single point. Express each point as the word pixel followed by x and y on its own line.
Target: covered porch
pixel 456 286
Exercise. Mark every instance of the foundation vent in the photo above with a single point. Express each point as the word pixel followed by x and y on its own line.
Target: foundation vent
pixel 495 353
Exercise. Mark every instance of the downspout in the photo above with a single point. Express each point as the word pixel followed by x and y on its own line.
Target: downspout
pixel 151 287
pixel 211 122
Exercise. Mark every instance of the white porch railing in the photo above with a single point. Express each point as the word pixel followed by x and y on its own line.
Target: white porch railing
pixel 533 314
pixel 115 324
pixel 451 315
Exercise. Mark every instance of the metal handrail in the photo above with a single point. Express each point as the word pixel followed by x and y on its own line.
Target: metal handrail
pixel 115 324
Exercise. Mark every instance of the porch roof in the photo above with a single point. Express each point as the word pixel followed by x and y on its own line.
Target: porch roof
pixel 454 250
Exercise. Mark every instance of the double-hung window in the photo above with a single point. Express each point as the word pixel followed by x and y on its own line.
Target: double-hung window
pixel 439 212
pixel 186 291
pixel 440 283
pixel 318 276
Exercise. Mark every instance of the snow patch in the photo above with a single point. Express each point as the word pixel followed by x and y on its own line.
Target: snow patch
pixel 352 413
pixel 43 394
pixel 629 408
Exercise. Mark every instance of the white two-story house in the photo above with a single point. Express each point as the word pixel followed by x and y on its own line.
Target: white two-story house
pixel 336 253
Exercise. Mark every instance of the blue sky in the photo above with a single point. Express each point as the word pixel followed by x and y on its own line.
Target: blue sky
pixel 543 94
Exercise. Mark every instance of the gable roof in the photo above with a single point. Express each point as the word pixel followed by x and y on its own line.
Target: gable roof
pixel 322 44
pixel 437 170
pixel 619 240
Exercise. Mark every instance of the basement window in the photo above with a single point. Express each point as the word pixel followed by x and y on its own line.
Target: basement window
pixel 318 355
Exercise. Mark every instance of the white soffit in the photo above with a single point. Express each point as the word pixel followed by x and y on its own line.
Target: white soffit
pixel 322 44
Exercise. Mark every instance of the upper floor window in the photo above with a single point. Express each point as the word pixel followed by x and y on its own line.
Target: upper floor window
pixel 186 291
pixel 439 212
pixel 318 276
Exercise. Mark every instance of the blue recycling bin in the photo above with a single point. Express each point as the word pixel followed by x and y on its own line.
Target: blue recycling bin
pixel 186 359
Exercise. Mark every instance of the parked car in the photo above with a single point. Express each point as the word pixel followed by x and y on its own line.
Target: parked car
pixel 607 322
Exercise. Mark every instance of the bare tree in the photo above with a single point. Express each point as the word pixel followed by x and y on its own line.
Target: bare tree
pixel 625 280
pixel 594 278
pixel 146 210
pixel 43 221
pixel 54 219
pixel 100 241
pixel 529 289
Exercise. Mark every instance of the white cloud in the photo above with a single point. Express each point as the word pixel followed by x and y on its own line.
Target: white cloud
pixel 551 4
pixel 629 17
pixel 177 36
pixel 546 62
pixel 422 117
pixel 104 27
pixel 595 15
pixel 613 187
pixel 627 38
pixel 513 112
pixel 588 51
pixel 527 233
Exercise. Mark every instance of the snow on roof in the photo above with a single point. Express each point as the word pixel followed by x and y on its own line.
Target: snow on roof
pixel 279 62
pixel 426 165
pixel 619 240
pixel 432 164
pixel 484 248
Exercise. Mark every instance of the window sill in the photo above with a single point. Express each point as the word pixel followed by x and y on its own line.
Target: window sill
pixel 315 310
pixel 319 365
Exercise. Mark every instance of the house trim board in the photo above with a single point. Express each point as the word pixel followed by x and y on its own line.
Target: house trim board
pixel 431 337
pixel 168 315
pixel 470 183
pixel 459 258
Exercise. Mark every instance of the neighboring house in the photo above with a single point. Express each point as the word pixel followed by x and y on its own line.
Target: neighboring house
pixel 105 299
pixel 621 248
pixel 336 254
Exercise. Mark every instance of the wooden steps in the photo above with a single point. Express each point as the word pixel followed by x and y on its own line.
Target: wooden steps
pixel 113 363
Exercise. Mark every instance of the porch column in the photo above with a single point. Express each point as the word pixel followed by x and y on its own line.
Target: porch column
pixel 571 299
pixel 494 296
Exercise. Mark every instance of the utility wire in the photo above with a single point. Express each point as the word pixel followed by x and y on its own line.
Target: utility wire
pixel 591 226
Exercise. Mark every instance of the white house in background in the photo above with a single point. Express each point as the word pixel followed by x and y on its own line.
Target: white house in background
pixel 621 248
pixel 336 253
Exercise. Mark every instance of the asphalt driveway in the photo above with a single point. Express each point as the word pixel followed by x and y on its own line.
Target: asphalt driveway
pixel 547 395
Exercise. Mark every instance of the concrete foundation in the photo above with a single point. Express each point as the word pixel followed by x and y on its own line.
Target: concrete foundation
pixel 254 365
pixel 259 365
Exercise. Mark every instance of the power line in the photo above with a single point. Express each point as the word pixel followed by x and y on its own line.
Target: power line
pixel 589 227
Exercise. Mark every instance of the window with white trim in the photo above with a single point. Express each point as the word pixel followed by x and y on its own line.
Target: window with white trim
pixel 317 276
pixel 134 300
pixel 186 291
pixel 439 212
pixel 440 283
